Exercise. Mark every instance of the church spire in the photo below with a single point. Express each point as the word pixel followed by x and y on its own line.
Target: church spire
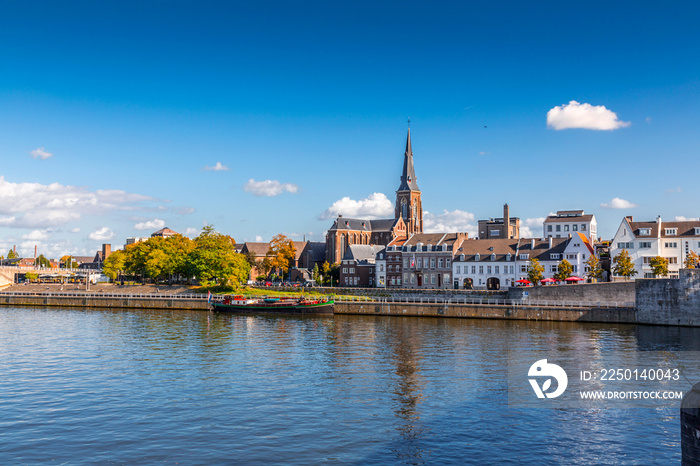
pixel 408 175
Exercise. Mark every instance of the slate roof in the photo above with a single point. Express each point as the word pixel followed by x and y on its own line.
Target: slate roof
pixel 361 252
pixel 358 224
pixel 501 247
pixel 542 251
pixel 164 232
pixel 317 250
pixel 581 218
pixel 258 249
pixel 685 228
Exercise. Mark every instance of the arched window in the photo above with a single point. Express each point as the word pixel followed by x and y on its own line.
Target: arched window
pixel 404 209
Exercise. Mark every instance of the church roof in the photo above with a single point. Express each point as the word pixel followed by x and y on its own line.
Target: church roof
pixel 408 175
pixel 358 224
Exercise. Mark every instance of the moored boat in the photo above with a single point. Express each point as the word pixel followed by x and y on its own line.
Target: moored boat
pixel 241 305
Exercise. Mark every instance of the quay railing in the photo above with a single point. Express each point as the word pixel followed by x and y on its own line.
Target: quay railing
pixel 492 302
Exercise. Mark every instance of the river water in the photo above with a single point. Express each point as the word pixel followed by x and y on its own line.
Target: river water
pixel 99 386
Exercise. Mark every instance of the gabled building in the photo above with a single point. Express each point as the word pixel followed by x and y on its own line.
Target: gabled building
pixel 566 222
pixel 164 233
pixel 485 264
pixel 426 260
pixel 550 252
pixel 646 240
pixel 394 263
pixel 358 265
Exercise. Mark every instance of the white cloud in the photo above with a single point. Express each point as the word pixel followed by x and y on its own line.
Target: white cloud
pixel 219 167
pixel 102 234
pixel 35 205
pixel 376 205
pixel 191 232
pixel 677 189
pixel 680 218
pixel 585 116
pixel 258 239
pixel 531 227
pixel 75 230
pixel 41 153
pixel 155 224
pixel 454 221
pixel 36 235
pixel 269 188
pixel 618 203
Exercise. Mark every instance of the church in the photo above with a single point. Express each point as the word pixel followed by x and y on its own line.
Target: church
pixel 408 217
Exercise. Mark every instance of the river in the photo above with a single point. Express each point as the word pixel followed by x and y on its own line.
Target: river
pixel 125 386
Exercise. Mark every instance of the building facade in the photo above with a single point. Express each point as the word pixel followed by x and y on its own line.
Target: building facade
pixel 495 228
pixel 566 222
pixel 426 260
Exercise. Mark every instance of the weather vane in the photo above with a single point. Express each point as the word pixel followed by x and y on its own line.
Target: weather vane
pixel 409 122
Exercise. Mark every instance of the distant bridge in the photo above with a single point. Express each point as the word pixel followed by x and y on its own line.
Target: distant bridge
pixel 9 273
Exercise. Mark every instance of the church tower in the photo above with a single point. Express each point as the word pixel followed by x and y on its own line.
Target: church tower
pixel 408 200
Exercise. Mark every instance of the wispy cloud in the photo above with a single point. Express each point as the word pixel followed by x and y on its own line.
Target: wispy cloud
pixel 36 235
pixel 618 203
pixel 374 206
pixel 218 167
pixel 449 221
pixel 102 234
pixel 192 232
pixel 155 224
pixel 269 188
pixel 677 189
pixel 680 218
pixel 41 153
pixel 35 205
pixel 584 116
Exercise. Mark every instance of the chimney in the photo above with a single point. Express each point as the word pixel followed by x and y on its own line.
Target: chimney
pixel 532 243
pixel 658 229
pixel 106 251
pixel 550 242
pixel 35 252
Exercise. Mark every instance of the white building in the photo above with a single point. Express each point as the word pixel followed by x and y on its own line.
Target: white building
pixel 646 240
pixel 566 222
pixel 496 263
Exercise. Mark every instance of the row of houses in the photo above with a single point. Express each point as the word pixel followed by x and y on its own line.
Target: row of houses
pixel 452 260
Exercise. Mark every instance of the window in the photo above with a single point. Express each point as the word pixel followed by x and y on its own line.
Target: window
pixel 671 245
pixel 413 278
pixel 523 256
pixel 393 281
pixel 571 256
pixel 405 262
pixel 494 232
pixel 554 256
pixel 473 268
pixel 496 270
pixel 493 257
pixel 432 262
pixel 558 228
pixel 390 268
pixel 671 231
pixel 625 245
pixel 345 270
pixel 447 263
pixel 381 267
pixel 553 269
pixel 583 227
pixel 352 269
pixel 644 244
pixel 566 227
pixel 419 263
pixel 446 278
pixel 458 270
pixel 644 231
pixel 575 267
pixel 488 270
pixel 523 268
pixel 575 227
pixel 440 263
pixel 481 269
pixel 549 227
pixel 432 278
pixel 346 280
pixel 697 231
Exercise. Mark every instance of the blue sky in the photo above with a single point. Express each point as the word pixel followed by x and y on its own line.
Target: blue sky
pixel 113 115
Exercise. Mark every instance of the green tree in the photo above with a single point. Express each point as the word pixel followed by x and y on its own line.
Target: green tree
pixel 68 262
pixel 281 253
pixel 263 266
pixel 595 272
pixel 564 270
pixel 534 271
pixel 42 261
pixel 334 274
pixel 659 266
pixel 214 259
pixel 113 266
pixel 691 260
pixel 12 254
pixel 325 273
pixel 31 276
pixel 316 274
pixel 624 267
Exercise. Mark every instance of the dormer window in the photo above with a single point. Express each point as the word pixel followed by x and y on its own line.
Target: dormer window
pixel 430 247
pixel 508 257
pixel 477 256
pixel 697 231
pixel 523 257
pixel 493 256
pixel 554 256
pixel 644 231
pixel 671 231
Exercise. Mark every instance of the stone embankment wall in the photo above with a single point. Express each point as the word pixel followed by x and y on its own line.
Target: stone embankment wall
pixel 117 302
pixel 483 311
pixel 592 293
pixel 669 301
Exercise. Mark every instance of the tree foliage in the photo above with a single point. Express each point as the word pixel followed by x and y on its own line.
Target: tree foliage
pixel 113 266
pixel 691 260
pixel 624 267
pixel 564 270
pixel 535 271
pixel 12 254
pixel 595 272
pixel 214 259
pixel 659 266
pixel 42 261
pixel 281 253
